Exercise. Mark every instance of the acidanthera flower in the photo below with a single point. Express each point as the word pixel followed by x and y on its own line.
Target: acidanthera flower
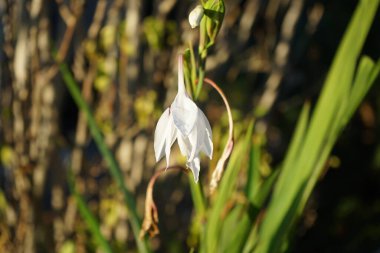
pixel 185 122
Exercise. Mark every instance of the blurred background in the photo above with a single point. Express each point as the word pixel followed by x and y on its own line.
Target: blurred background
pixel 269 58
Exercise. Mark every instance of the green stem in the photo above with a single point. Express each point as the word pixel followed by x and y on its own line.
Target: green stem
pixel 197 195
pixel 193 74
pixel 199 206
pixel 201 75
pixel 106 154
pixel 202 54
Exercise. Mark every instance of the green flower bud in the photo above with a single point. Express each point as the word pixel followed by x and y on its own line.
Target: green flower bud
pixel 214 10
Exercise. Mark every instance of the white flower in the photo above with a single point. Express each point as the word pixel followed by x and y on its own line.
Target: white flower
pixel 183 121
pixel 195 16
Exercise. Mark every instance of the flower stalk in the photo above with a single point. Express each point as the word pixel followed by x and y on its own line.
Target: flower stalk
pixel 150 222
pixel 221 164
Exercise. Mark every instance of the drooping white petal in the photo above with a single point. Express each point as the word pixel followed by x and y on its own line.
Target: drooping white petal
pixel 206 140
pixel 160 135
pixel 164 136
pixel 200 137
pixel 184 144
pixel 194 141
pixel 184 112
pixel 171 135
pixel 194 165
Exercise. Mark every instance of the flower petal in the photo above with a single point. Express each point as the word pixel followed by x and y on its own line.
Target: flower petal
pixel 164 135
pixel 159 135
pixel 185 113
pixel 204 125
pixel 200 137
pixel 195 141
pixel 184 145
pixel 171 135
pixel 194 165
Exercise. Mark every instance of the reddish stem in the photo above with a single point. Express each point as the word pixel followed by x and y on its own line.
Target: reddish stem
pixel 217 173
pixel 151 215
pixel 221 93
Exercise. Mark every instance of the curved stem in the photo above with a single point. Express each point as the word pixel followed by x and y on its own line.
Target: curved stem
pixel 224 98
pixel 151 215
pixel 217 173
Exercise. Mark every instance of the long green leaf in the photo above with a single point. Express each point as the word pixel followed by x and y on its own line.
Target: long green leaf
pixel 106 153
pixel 293 151
pixel 225 190
pixel 366 74
pixel 365 77
pixel 88 217
pixel 246 221
pixel 253 173
pixel 285 203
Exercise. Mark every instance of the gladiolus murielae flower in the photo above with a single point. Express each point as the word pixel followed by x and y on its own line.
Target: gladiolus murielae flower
pixel 185 122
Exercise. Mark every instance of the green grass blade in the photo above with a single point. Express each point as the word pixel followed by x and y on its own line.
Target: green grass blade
pixel 89 218
pixel 92 223
pixel 251 240
pixel 293 151
pixel 375 72
pixel 236 220
pixel 246 221
pixel 225 191
pixel 254 177
pixel 366 75
pixel 286 200
pixel 106 154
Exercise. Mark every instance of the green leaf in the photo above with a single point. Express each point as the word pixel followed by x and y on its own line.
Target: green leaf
pixel 363 81
pixel 73 88
pixel 89 218
pixel 319 138
pixel 224 192
pixel 248 218
pixel 294 150
pixel 254 177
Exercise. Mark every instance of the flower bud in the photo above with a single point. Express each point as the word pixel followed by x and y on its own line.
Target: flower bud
pixel 195 16
pixel 214 10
